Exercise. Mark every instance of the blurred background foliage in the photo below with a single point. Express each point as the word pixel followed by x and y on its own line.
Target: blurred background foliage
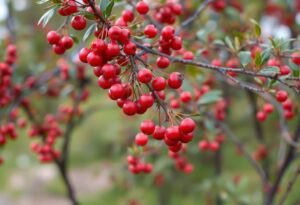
pixel 99 146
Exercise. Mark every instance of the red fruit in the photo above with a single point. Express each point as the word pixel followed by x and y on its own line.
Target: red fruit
pixel 124 36
pixel 2 140
pixel 261 116
pixel 141 139
pixel 150 31
pixel 109 71
pixel 287 105
pixel 175 148
pixel 175 80
pixel 176 43
pixel 203 145
pixel 185 96
pixel 145 76
pixel 104 83
pixel 114 33
pixel 127 15
pixel 169 142
pixel 187 125
pixel 94 59
pixel 146 101
pixel 288 114
pixel 112 50
pixel 53 37
pixel 147 127
pixel 187 137
pixel 58 49
pixel 159 133
pixel 189 168
pixel 129 108
pixel 67 42
pixel 217 62
pixel 132 160
pixel 142 7
pixel 176 9
pixel 284 70
pixel 218 5
pixel 99 46
pixel 148 168
pixel 116 91
pixel 159 83
pixel 83 53
pixel 174 104
pixel 129 48
pixel 188 55
pixel 173 133
pixel 268 108
pixel 162 62
pixel 214 146
pixel 296 58
pixel 281 95
pixel 168 32
pixel 78 22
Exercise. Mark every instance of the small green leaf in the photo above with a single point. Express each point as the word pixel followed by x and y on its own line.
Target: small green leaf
pixel 295 69
pixel 245 57
pixel 210 97
pixel 270 70
pixel 89 31
pixel 229 43
pixel 219 42
pixel 44 20
pixel 103 5
pixel 257 27
pixel 109 8
pixel 258 59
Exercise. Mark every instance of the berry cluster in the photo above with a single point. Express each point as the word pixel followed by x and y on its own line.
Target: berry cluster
pixel 136 166
pixel 167 13
pixel 59 43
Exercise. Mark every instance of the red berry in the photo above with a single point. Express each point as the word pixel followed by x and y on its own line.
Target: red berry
pixel 187 137
pixel 159 132
pixel 268 108
pixel 150 31
pixel 176 43
pixel 116 91
pixel 146 101
pixel 185 96
pixel 145 76
pixel 129 48
pixel 162 62
pixel 287 105
pixel 78 22
pixel 175 148
pixel 94 59
pixel 173 133
pixel 168 32
pixel 58 49
pixel 112 50
pixel 99 46
pixel 187 125
pixel 128 15
pixel 296 58
pixel 114 33
pixel 214 146
pixel 141 139
pixel 175 80
pixel 142 7
pixel 261 116
pixel 53 37
pixel 188 55
pixel 203 145
pixel 83 53
pixel 284 70
pixel 67 42
pixel 281 96
pixel 147 127
pixel 159 83
pixel 104 83
pixel 109 71
pixel 129 108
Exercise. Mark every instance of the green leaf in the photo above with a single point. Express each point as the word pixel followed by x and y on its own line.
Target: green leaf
pixel 88 15
pixel 258 59
pixel 42 1
pixel 89 31
pixel 44 20
pixel 245 57
pixel 265 55
pixel 295 69
pixel 270 70
pixel 109 8
pixel 229 43
pixel 103 5
pixel 219 42
pixel 257 27
pixel 210 97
